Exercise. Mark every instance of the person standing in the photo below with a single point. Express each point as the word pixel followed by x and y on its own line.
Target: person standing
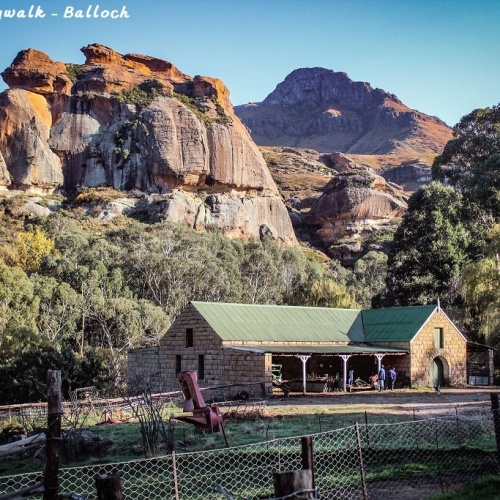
pixel 351 377
pixel 391 378
pixel 381 379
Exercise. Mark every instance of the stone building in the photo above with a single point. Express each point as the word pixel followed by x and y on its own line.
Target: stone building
pixel 247 344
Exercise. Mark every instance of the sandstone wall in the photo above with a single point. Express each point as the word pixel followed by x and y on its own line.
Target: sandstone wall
pixel 401 362
pixel 453 354
pixel 144 368
pixel 221 366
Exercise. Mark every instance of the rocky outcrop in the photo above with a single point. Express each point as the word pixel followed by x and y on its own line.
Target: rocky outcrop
pixel 320 109
pixel 412 174
pixel 355 205
pixel 135 122
pixel 34 70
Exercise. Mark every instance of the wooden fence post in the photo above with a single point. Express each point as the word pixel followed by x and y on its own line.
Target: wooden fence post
pixel 53 433
pixel 495 409
pixel 294 485
pixel 109 487
pixel 361 466
pixel 307 456
pixel 174 468
pixel 299 483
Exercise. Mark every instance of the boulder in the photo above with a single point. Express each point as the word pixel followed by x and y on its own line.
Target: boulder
pixel 357 195
pixel 354 206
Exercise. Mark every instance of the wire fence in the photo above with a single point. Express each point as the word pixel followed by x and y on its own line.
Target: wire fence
pixel 408 460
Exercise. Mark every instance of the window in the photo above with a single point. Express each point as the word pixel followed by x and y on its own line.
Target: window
pixel 189 337
pixel 178 363
pixel 201 367
pixel 438 338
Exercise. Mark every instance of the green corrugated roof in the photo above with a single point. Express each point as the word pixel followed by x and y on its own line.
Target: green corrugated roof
pixel 394 323
pixel 271 323
pixel 317 349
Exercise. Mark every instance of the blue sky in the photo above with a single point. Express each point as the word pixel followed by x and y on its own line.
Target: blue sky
pixel 438 56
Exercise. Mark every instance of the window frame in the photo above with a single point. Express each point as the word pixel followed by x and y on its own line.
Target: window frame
pixel 438 338
pixel 201 366
pixel 189 337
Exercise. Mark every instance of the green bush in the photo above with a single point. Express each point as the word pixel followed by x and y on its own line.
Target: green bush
pixel 24 380
pixel 136 96
pixel 73 70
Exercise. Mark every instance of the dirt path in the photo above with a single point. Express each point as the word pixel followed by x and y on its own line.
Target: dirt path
pixel 404 401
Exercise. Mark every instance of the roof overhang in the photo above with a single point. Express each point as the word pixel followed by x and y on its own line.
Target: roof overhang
pixel 479 347
pixel 318 350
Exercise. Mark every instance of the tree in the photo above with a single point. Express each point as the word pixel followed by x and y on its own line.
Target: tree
pixel 59 311
pixel 260 275
pixel 471 163
pixel 24 379
pixel 328 293
pixel 18 312
pixel 170 265
pixel 368 278
pixel 481 291
pixel 298 273
pixel 481 191
pixel 30 250
pixel 429 249
pixel 475 138
pixel 153 321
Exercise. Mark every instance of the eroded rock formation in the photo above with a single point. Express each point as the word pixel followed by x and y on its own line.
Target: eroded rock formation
pixel 355 205
pixel 136 122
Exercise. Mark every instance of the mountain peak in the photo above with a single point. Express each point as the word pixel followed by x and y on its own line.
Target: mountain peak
pixel 318 86
pixel 321 109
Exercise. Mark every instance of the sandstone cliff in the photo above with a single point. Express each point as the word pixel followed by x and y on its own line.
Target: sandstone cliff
pixel 135 122
pixel 320 109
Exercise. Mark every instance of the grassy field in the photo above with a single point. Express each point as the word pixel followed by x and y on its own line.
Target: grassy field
pixel 487 488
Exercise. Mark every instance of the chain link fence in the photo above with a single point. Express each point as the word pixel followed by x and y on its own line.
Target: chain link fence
pixel 409 460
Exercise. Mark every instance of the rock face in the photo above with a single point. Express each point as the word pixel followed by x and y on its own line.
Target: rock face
pixel 355 205
pixel 136 122
pixel 412 174
pixel 4 174
pixel 320 109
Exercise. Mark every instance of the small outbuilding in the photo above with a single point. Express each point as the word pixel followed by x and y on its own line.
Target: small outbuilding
pixel 248 343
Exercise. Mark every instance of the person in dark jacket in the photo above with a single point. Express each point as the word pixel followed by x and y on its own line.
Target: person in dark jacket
pixel 391 378
pixel 381 379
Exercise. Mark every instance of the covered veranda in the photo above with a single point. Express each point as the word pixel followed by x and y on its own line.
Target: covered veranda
pixel 317 362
